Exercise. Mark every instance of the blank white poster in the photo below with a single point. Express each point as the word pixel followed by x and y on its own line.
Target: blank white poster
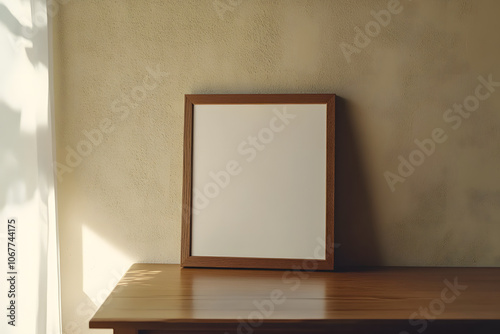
pixel 259 180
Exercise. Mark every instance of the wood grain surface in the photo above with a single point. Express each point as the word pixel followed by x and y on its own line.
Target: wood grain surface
pixel 162 298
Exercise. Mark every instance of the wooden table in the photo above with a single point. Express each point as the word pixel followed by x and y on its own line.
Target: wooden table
pixel 162 298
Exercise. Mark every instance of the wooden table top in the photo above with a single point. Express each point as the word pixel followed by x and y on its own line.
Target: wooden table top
pixel 165 297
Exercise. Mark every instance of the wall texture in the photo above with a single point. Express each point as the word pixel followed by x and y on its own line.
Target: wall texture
pixel 123 67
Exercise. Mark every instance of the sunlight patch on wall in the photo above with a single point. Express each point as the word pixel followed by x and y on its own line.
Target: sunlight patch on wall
pixel 103 266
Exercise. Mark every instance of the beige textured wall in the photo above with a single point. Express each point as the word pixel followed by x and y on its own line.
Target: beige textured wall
pixel 122 202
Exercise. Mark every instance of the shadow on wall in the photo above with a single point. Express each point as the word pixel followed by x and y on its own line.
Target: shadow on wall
pixel 17 146
pixel 20 184
pixel 26 178
pixel 354 216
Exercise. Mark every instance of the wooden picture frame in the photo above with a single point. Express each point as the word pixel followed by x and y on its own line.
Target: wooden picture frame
pixel 267 218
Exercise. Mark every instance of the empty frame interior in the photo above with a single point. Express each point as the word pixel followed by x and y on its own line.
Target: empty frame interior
pixel 258 181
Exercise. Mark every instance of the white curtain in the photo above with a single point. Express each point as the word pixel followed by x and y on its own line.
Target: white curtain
pixel 29 269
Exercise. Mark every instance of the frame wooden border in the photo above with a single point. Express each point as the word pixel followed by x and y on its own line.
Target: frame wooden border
pixel 187 260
